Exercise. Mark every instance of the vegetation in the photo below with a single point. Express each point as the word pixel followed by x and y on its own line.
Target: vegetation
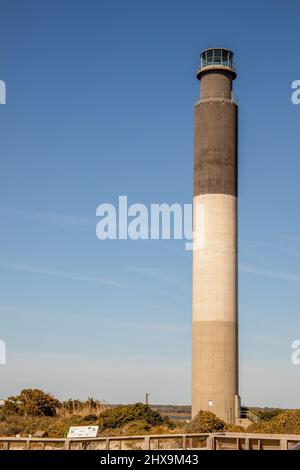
pixel 205 421
pixel 264 414
pixel 284 422
pixel 31 402
pixel 141 417
pixel 34 410
pixel 90 406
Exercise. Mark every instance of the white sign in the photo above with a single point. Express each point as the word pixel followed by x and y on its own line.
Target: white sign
pixel 83 431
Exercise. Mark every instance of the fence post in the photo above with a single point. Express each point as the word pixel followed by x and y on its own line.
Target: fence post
pixel 184 442
pixel 67 444
pixel 147 443
pixel 107 444
pixel 210 442
pixel 258 444
pixel 283 444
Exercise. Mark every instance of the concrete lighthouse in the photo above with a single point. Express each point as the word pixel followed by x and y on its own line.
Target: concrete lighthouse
pixel 215 315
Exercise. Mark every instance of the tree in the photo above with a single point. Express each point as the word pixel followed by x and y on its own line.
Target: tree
pixel 32 402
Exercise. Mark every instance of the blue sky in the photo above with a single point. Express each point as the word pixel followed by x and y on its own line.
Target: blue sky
pixel 99 104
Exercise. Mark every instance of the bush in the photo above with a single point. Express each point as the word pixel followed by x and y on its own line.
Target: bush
pixel 287 422
pixel 31 402
pixel 89 418
pixel 205 421
pixel 135 428
pixel 234 428
pixel 264 414
pixel 120 415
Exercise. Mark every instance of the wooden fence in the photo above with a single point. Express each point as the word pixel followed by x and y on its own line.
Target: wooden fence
pixel 205 441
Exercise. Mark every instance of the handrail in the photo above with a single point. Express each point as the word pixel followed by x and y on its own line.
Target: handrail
pixel 84 441
pixel 213 441
pixel 250 414
pixel 207 63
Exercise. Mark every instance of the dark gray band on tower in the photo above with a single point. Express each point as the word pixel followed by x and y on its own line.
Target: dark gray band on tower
pixel 215 162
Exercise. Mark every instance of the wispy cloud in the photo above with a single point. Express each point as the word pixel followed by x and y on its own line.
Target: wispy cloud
pixel 59 219
pixel 258 271
pixel 60 274
pixel 160 274
pixel 98 321
pixel 284 248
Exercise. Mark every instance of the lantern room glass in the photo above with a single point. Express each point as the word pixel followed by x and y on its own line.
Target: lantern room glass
pixel 217 57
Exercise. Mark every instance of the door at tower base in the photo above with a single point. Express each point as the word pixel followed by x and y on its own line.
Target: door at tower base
pixel 215 256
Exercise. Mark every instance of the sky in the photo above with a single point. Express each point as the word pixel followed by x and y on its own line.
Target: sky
pixel 100 104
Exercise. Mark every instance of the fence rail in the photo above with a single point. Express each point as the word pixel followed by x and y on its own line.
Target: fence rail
pixel 204 441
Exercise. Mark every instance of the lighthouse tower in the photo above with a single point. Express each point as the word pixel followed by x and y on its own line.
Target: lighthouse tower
pixel 215 306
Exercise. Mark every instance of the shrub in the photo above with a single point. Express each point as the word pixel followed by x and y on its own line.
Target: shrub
pixel 89 418
pixel 205 421
pixel 120 415
pixel 287 422
pixel 31 402
pixel 264 414
pixel 135 428
pixel 234 428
